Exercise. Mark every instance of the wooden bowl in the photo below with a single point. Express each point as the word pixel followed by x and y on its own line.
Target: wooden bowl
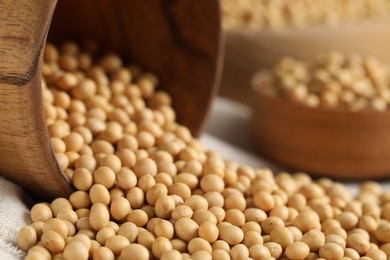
pixel 177 40
pixel 247 51
pixel 339 144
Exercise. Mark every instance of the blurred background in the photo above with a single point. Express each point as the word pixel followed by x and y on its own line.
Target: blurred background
pixel 327 55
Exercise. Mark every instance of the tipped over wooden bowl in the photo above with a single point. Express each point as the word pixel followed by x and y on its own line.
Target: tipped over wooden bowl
pixel 179 41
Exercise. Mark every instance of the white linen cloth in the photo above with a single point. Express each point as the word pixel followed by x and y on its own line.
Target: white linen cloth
pixel 14 214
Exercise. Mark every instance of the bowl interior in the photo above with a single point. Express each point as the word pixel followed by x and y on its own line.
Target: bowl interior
pixel 178 40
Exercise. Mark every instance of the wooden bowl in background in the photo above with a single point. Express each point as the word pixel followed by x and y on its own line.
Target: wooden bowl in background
pixel 339 144
pixel 177 40
pixel 247 51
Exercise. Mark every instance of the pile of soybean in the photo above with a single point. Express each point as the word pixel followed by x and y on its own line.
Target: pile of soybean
pixel 281 14
pixel 147 189
pixel 332 80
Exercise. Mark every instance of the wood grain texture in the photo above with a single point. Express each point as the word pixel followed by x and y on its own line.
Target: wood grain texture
pixel 332 143
pixel 21 43
pixel 26 156
pixel 179 40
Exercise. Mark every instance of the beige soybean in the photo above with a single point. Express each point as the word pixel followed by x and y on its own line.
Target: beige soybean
pixel 105 176
pixel 259 251
pixel 164 207
pixel 231 234
pixel 145 167
pixel 214 199
pixel 221 244
pixel 83 212
pixel 80 199
pixel 57 225
pixel 219 213
pixel 274 248
pixel 134 251
pixel 53 242
pixel 201 255
pixel 83 223
pixel 146 182
pixel 297 250
pixel 26 238
pixel 198 244
pixel 376 254
pixel 186 229
pixel 82 179
pixel 220 254
pixel 306 220
pixel 180 189
pixel 196 202
pixel 160 245
pixel 164 178
pixel 208 231
pixel 187 178
pixel 59 204
pixel 254 214
pixel 111 161
pixel 120 208
pixel 296 233
pixel 282 235
pixel 337 231
pixel 179 245
pixel 235 217
pixel 171 255
pixel 156 192
pixel 105 233
pixel 126 178
pixel 116 244
pixel 99 194
pixel 128 230
pixel 86 161
pixel 103 253
pixel 314 239
pixel 76 250
pixel 359 243
pixel 38 226
pixel 270 223
pixel 41 212
pixel 203 215
pixel 145 238
pixel 59 146
pixel 351 253
pixel 239 251
pixel 99 216
pixel 212 182
pixel 136 197
pixel 116 193
pixel 264 201
pixel 331 251
pixel 74 142
pixel 38 252
pixel 382 232
pixel 252 238
pixel 182 211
